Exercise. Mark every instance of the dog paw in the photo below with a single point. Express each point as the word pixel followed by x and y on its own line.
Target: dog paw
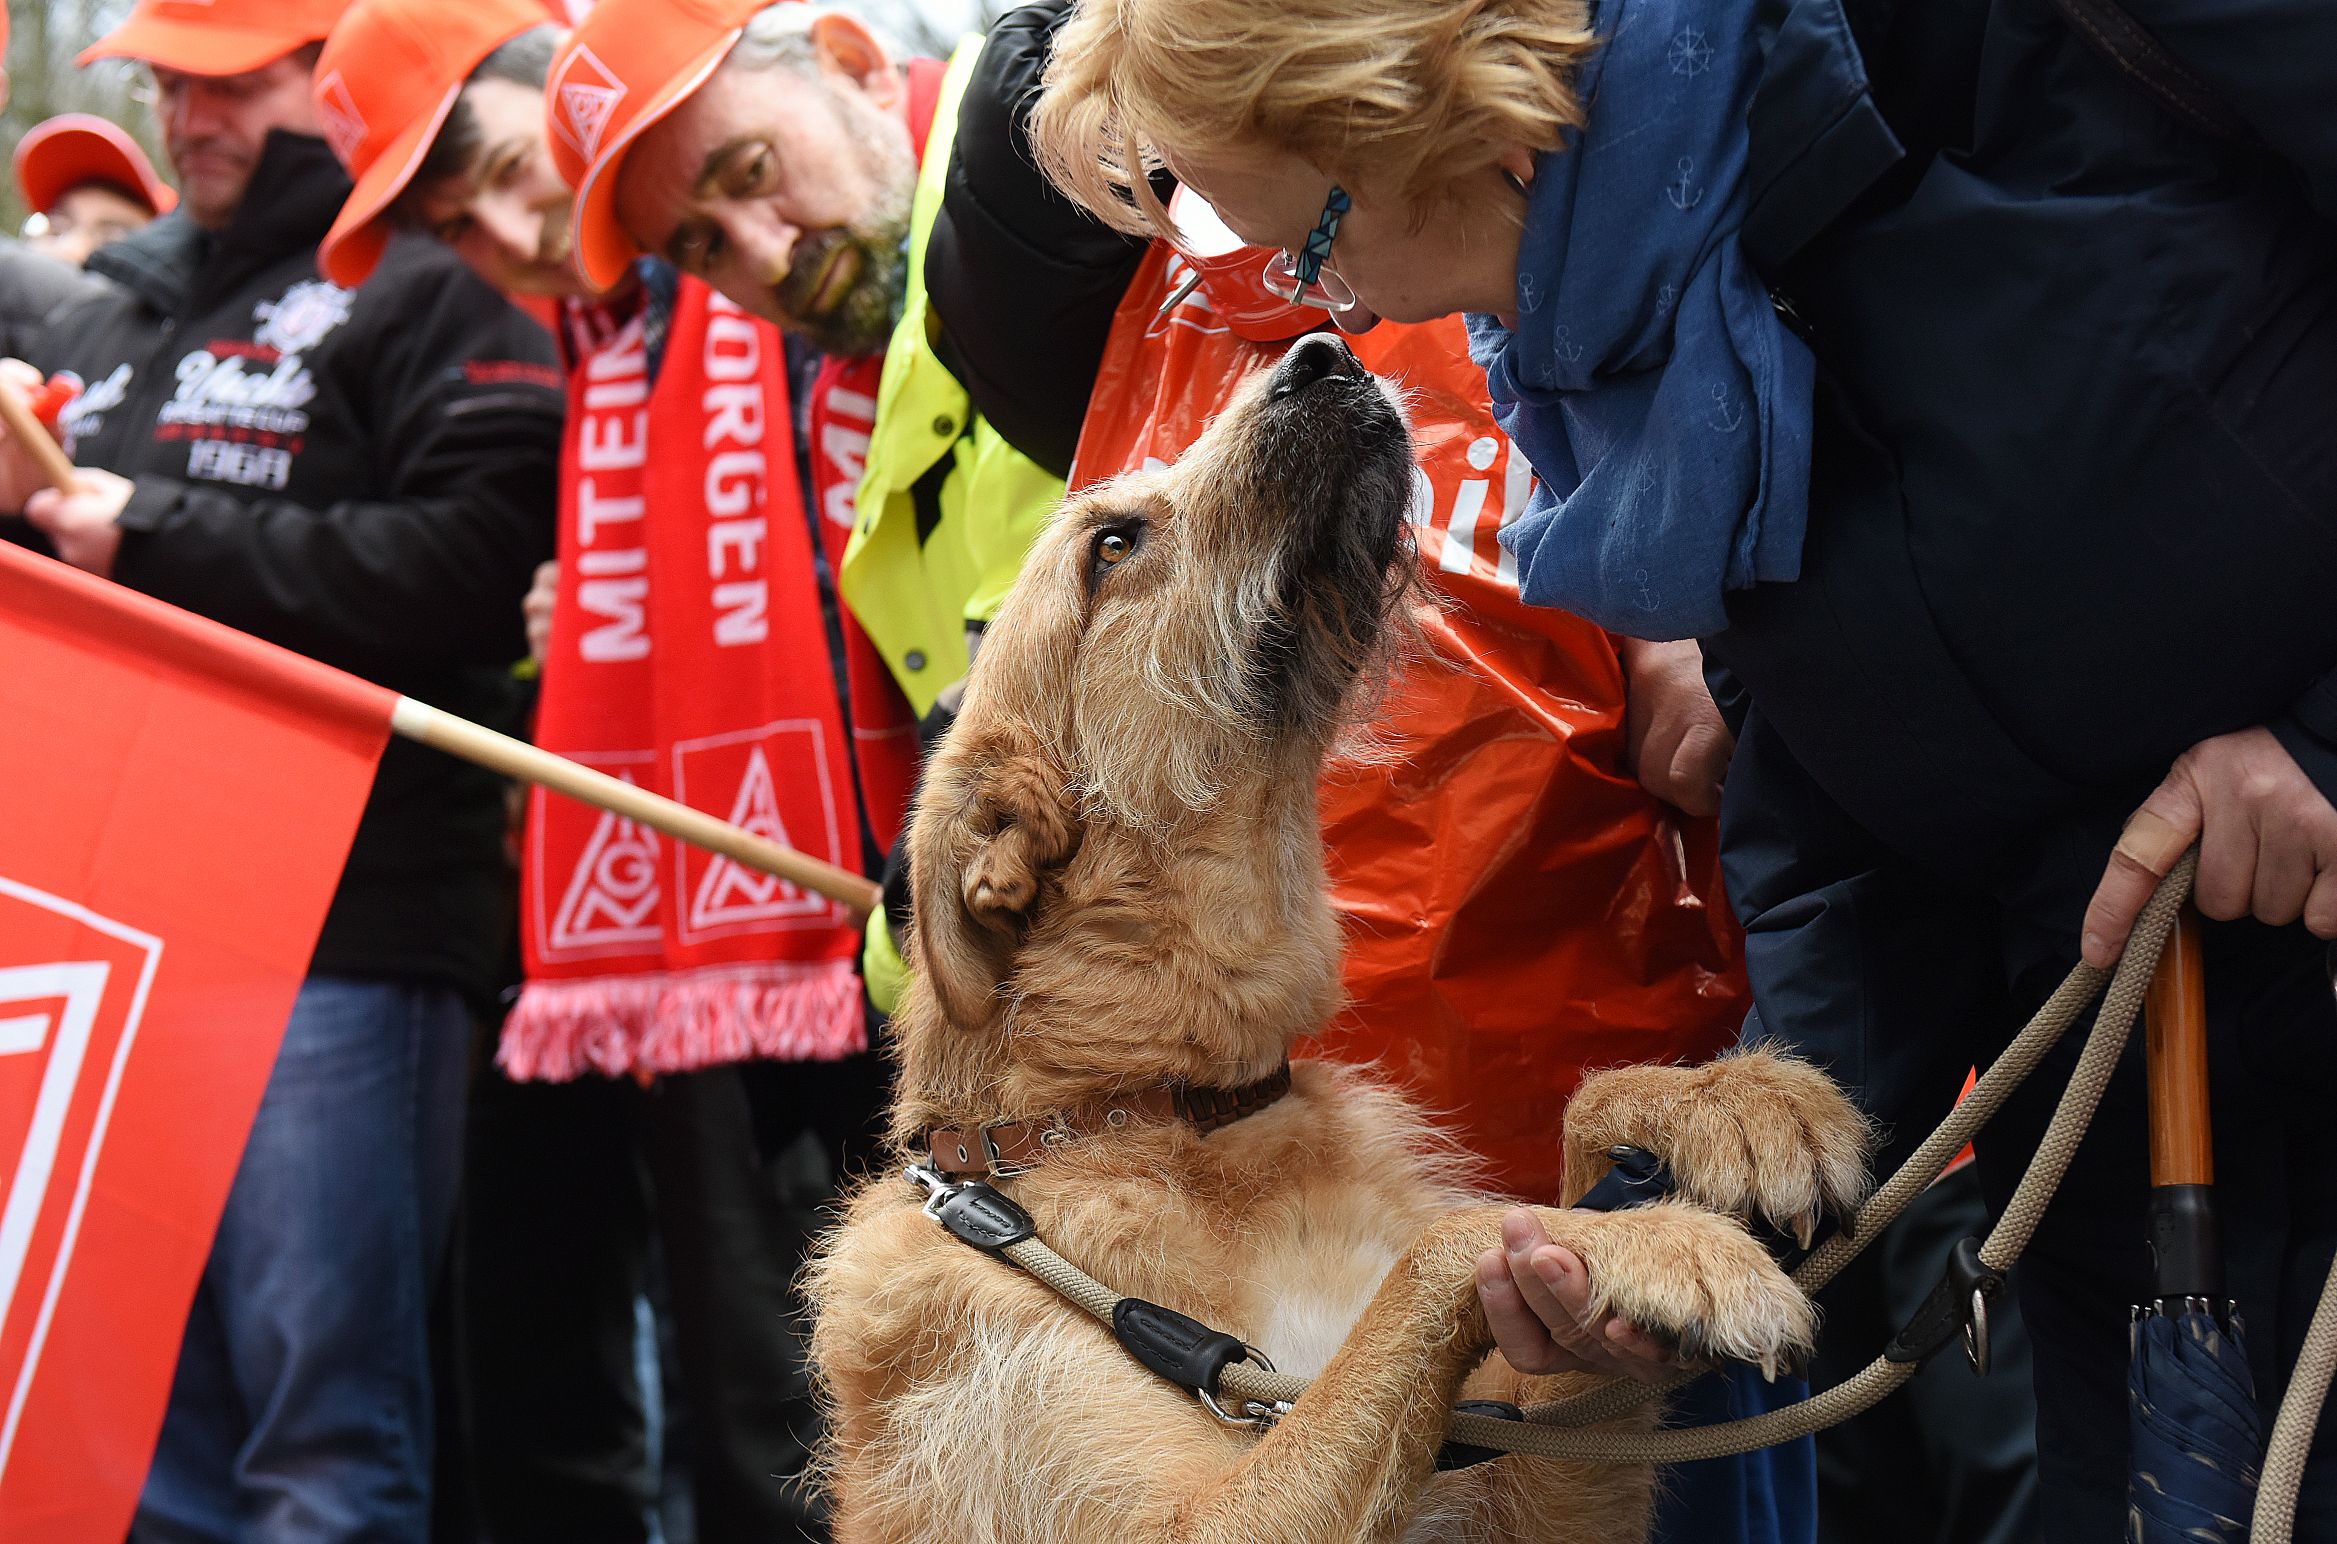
pixel 1694 1280
pixel 1753 1134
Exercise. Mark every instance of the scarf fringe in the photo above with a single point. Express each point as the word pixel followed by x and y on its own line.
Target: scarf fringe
pixel 684 1021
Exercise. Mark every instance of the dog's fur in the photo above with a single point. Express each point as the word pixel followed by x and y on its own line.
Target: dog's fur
pixel 1119 883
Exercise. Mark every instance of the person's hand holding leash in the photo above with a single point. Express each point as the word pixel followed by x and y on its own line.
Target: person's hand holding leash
pixel 1538 1302
pixel 2267 843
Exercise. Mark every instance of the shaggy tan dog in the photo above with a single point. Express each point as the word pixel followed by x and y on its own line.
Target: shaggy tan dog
pixel 1119 886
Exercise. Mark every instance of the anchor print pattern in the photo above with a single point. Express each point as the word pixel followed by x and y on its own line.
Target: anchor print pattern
pixel 1726 415
pixel 1682 190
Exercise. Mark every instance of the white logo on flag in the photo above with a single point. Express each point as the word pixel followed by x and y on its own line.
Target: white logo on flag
pixel 612 897
pixel 73 1022
pixel 344 124
pixel 587 92
pixel 731 892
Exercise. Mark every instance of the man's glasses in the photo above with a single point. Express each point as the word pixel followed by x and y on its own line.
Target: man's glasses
pixel 1305 277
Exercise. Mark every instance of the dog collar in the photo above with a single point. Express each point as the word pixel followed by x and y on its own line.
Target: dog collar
pixel 1001 1149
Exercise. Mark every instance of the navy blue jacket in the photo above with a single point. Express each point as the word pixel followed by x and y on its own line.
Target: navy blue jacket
pixel 2074 505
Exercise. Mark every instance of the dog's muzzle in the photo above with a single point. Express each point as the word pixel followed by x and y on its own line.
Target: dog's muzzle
pixel 1316 357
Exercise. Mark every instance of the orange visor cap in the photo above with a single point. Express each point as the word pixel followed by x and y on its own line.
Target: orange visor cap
pixel 62 153
pixel 630 63
pixel 389 75
pixel 216 37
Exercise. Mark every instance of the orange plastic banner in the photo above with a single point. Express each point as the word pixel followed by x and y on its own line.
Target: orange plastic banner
pixel 1518 909
pixel 180 799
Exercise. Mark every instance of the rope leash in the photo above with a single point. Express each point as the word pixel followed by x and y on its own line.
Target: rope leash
pixel 2292 1430
pixel 1221 1370
pixel 1263 1395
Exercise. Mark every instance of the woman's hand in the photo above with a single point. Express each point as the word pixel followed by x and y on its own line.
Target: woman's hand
pixel 2267 843
pixel 1537 1301
pixel 1677 745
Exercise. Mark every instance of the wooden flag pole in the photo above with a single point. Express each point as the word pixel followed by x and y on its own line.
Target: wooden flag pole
pixel 36 441
pixel 516 758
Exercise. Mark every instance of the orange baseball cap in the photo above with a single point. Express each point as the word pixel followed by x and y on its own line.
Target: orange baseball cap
pixel 629 64
pixel 215 37
pixel 388 77
pixel 62 153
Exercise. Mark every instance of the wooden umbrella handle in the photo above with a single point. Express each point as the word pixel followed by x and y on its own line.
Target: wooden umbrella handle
pixel 2175 1035
pixel 37 442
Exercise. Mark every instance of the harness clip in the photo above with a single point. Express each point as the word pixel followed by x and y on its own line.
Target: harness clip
pixel 973 1212
pixel 1192 1356
pixel 1958 1304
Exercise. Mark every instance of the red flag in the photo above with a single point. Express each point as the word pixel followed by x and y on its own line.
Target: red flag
pixel 176 802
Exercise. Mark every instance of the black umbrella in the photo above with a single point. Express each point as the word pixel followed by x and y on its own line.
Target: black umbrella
pixel 2197 1438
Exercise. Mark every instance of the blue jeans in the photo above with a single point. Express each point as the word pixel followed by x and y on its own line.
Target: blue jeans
pixel 301 1408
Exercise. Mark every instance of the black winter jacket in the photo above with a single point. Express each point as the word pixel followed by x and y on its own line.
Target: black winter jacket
pixel 32 287
pixel 1024 281
pixel 2074 503
pixel 367 477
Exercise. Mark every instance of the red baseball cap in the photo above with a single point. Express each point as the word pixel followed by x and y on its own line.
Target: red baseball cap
pixel 629 64
pixel 216 37
pixel 62 153
pixel 388 77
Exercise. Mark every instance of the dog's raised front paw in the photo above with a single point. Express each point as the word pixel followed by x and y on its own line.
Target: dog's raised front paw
pixel 1694 1280
pixel 1752 1134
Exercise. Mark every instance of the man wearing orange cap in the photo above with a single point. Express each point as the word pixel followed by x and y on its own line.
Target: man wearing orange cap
pixel 436 107
pixel 780 153
pixel 87 183
pixel 677 449
pixel 365 476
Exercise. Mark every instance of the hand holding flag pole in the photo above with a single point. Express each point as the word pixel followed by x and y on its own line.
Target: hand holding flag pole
pixel 34 439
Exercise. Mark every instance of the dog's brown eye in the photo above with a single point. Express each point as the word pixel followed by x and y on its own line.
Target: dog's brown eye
pixel 1111 547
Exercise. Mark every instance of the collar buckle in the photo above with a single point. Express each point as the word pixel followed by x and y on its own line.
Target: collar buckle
pixel 1001 1167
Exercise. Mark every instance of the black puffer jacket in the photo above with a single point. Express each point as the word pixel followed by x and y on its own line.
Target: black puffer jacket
pixel 367 477
pixel 32 287
pixel 1024 281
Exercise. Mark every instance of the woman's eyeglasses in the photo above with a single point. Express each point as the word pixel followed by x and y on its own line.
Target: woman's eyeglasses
pixel 1305 277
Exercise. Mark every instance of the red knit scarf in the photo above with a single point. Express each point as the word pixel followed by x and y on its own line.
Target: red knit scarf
pixel 689 655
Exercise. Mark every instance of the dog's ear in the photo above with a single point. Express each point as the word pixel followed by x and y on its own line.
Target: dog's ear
pixel 983 842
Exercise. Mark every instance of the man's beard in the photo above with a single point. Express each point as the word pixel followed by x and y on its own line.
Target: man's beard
pixel 861 320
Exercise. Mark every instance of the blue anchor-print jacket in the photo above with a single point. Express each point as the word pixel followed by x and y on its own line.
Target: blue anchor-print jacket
pixel 2073 499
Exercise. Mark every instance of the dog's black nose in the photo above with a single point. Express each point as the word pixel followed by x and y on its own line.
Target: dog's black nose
pixel 1315 357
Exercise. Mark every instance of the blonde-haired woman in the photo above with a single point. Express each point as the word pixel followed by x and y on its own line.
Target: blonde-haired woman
pixel 1578 192
pixel 2059 519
